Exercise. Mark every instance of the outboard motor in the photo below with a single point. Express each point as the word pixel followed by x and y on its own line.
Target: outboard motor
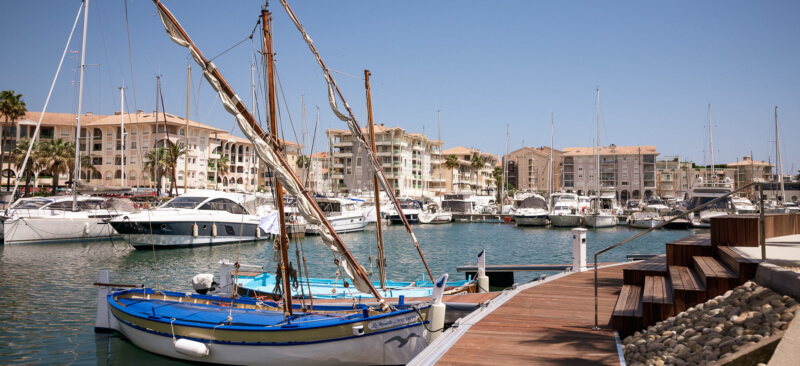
pixel 203 283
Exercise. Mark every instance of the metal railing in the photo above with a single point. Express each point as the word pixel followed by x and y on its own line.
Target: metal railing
pixel 698 208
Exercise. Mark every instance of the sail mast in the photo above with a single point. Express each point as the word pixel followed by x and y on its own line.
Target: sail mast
pixel 355 129
pixel 122 130
pixel 550 187
pixel 597 155
pixel 186 133
pixel 377 188
pixel 780 164
pixel 711 144
pixel 77 170
pixel 273 126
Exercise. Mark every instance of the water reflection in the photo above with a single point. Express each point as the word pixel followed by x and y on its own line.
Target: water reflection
pixel 48 306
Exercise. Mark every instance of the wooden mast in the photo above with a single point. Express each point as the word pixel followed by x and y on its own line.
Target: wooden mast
pixel 186 134
pixel 273 126
pixel 226 89
pixel 381 255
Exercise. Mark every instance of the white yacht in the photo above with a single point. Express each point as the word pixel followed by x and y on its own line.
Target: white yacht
pixel 704 192
pixel 565 211
pixel 532 211
pixel 433 214
pixel 411 210
pixel 601 211
pixel 657 205
pixel 53 220
pixel 345 215
pixel 742 205
pixel 645 219
pixel 199 218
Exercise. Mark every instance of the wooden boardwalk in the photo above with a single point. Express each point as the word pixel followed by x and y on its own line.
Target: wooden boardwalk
pixel 548 324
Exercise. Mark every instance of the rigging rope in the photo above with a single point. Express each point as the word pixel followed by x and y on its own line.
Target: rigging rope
pixel 240 42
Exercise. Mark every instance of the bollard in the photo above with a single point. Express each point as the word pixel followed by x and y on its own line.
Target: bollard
pixel 225 278
pixel 578 250
pixel 483 279
pixel 101 322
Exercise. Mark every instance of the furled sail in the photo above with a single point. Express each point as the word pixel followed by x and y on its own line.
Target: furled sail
pixel 235 107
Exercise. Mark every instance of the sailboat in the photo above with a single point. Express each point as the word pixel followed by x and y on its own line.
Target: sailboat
pixel 64 218
pixel 240 330
pixel 435 214
pixel 600 214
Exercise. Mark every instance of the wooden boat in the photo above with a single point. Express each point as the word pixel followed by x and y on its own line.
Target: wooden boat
pixel 240 330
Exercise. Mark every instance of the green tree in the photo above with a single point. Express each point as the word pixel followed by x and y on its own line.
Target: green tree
pixel 174 152
pixel 12 107
pixel 451 162
pixel 303 162
pixel 497 174
pixel 223 167
pixel 57 154
pixel 35 161
pixel 156 165
pixel 476 163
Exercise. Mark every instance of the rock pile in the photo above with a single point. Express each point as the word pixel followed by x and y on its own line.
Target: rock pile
pixel 713 330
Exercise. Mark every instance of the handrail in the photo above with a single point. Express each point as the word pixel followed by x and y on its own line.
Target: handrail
pixel 698 208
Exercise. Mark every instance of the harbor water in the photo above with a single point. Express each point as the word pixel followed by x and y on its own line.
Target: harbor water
pixel 48 304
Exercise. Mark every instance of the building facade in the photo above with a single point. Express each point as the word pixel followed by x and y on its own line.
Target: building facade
pixel 528 169
pixel 406 159
pixel 629 169
pixel 464 177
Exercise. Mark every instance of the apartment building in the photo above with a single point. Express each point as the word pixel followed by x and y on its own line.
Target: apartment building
pixel 528 169
pixel 464 178
pixel 673 176
pixel 118 164
pixel 406 159
pixel 629 169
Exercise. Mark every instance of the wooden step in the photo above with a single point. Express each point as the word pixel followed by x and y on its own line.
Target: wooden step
pixel 681 251
pixel 627 315
pixel 746 267
pixel 635 273
pixel 687 288
pixel 657 301
pixel 717 277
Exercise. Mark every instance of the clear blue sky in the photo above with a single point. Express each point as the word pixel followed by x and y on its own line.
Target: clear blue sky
pixel 483 64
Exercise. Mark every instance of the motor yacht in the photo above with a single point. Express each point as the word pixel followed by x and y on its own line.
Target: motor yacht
pixel 742 205
pixel 53 220
pixel 645 219
pixel 703 192
pixel 565 211
pixel 533 211
pixel 602 209
pixel 411 210
pixel 434 214
pixel 199 218
pixel 345 215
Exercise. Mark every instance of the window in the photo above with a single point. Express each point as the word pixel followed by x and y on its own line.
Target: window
pixel 133 144
pixel 108 175
pixel 97 161
pixel 133 159
pixel 132 175
pixel 133 131
pixel 65 132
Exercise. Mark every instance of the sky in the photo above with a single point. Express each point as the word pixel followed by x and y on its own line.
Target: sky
pixel 486 66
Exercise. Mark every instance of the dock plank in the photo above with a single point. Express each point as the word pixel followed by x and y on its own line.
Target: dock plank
pixel 549 324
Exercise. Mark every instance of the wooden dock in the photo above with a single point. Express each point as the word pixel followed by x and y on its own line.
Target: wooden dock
pixel 547 324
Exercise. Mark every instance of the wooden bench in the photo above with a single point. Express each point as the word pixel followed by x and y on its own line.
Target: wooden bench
pixel 681 251
pixel 627 315
pixel 716 277
pixel 746 267
pixel 687 288
pixel 635 273
pixel 657 302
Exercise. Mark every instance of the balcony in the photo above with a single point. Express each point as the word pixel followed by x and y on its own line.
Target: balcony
pixel 348 154
pixel 342 143
pixel 213 156
pixel 338 165
pixel 337 176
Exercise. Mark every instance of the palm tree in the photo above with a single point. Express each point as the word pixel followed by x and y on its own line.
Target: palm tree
pixel 303 162
pixel 451 162
pixel 223 167
pixel 156 165
pixel 12 106
pixel 57 154
pixel 174 152
pixel 476 163
pixel 497 174
pixel 35 161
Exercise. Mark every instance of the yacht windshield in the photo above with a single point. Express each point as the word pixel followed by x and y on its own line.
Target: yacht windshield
pixel 32 204
pixel 184 202
pixel 697 201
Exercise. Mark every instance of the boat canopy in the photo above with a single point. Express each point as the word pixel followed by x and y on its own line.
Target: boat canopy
pixel 534 202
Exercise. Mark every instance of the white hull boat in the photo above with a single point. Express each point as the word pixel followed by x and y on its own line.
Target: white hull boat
pixel 565 220
pixel 51 220
pixel 344 215
pixel 644 220
pixel 600 220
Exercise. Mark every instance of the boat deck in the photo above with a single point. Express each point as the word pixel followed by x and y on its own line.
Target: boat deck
pixel 547 324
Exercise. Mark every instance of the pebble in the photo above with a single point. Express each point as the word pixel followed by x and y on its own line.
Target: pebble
pixel 712 330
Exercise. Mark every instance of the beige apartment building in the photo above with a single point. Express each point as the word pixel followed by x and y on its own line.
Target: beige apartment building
pixel 629 169
pixel 406 159
pixel 464 178
pixel 528 168
pixel 119 164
